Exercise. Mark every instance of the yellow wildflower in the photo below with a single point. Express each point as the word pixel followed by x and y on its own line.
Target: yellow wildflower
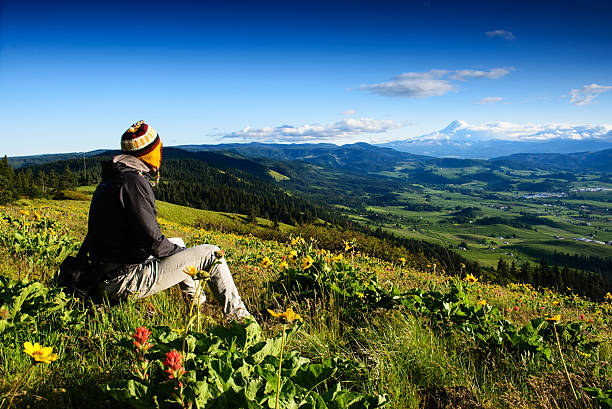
pixel 266 262
pixel 283 265
pixel 288 315
pixel 402 260
pixel 608 297
pixel 584 354
pixel 471 279
pixel 347 245
pixel 482 302
pixel 39 353
pixel 36 216
pixel 292 256
pixel 338 257
pixel 307 262
pixel 191 270
pixel 297 240
pixel 555 318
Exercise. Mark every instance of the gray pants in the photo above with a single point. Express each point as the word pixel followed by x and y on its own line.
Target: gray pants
pixel 155 275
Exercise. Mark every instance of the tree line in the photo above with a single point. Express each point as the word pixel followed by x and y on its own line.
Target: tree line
pixel 194 183
pixel 188 182
pixel 586 283
pixel 33 183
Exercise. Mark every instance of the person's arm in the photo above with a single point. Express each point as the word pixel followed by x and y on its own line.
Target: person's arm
pixel 140 203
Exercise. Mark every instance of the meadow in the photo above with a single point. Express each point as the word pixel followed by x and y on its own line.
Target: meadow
pixel 334 327
pixel 487 220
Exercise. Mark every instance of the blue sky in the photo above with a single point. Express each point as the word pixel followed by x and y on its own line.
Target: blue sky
pixel 75 75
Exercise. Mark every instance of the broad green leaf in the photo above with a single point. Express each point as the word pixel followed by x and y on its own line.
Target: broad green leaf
pixel 314 375
pixel 130 392
pixel 258 352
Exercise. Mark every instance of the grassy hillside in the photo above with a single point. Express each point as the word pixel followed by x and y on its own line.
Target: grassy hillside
pixel 524 213
pixel 374 333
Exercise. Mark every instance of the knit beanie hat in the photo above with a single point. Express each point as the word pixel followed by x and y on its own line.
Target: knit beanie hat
pixel 143 142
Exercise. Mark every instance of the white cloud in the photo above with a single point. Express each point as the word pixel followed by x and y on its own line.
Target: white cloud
pixel 489 100
pixel 586 94
pixel 508 131
pixel 505 34
pixel 347 128
pixel 413 85
pixel 349 112
pixel 493 74
pixel 429 83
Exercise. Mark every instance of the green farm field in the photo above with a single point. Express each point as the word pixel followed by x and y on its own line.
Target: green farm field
pixel 487 224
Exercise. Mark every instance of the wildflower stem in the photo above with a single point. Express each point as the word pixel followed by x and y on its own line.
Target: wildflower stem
pixel 280 366
pixel 199 295
pixel 196 297
pixel 14 390
pixel 565 366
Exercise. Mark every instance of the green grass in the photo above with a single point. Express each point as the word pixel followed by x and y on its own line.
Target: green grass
pixel 277 176
pixel 404 356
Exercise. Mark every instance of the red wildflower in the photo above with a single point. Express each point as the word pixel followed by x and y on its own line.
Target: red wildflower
pixel 174 363
pixel 141 338
pixel 516 308
pixel 581 316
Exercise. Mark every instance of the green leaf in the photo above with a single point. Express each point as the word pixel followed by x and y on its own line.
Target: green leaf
pixel 130 392
pixel 293 363
pixel 313 401
pixel 202 394
pixel 269 374
pixel 250 391
pixel 258 352
pixel 244 334
pixel 167 336
pixel 286 398
pixel 3 325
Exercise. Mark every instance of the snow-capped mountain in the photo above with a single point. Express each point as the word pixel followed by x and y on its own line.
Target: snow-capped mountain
pixel 492 139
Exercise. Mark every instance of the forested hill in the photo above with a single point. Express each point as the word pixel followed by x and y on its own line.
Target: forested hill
pixel 600 160
pixel 204 180
pixel 195 183
pixel 357 157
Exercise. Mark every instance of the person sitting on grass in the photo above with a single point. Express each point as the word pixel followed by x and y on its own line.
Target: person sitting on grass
pixel 127 253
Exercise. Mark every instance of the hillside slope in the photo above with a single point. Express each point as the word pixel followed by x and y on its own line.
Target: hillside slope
pixel 395 331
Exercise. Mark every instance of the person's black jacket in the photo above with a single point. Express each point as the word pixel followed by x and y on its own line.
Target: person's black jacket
pixel 122 228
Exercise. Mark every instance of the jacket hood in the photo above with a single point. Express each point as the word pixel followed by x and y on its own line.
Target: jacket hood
pixel 131 162
pixel 122 162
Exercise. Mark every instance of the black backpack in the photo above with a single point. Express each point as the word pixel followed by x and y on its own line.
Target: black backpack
pixel 75 277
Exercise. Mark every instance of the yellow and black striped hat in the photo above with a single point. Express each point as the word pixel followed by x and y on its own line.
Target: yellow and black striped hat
pixel 142 141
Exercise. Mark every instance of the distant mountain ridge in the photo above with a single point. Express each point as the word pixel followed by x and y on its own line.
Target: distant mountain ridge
pixel 601 160
pixel 33 160
pixel 462 140
pixel 357 157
